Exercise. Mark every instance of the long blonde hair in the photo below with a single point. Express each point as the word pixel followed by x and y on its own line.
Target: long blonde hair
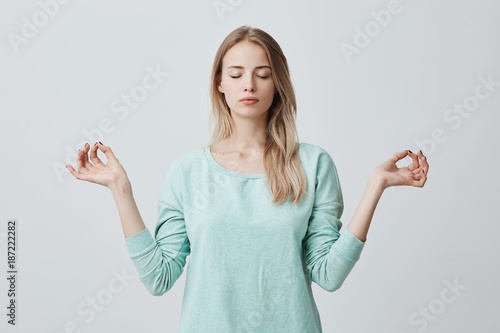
pixel 285 175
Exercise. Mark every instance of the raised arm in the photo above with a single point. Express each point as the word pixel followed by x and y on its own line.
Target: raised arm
pixel 159 261
pixel 329 255
pixel 113 176
pixel 386 175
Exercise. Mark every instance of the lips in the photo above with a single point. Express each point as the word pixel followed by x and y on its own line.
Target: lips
pixel 249 98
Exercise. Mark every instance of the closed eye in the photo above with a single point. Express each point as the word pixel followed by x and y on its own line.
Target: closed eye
pixel 262 77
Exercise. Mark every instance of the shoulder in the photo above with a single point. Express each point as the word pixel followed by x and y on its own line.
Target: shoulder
pixel 306 147
pixel 185 161
pixel 191 157
pixel 317 162
pixel 321 170
pixel 313 154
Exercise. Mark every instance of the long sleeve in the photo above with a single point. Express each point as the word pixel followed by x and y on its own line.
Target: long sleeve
pixel 329 255
pixel 161 261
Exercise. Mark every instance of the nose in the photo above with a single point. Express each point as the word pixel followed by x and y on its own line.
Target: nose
pixel 249 84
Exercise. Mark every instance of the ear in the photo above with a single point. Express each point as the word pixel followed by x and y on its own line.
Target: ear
pixel 219 86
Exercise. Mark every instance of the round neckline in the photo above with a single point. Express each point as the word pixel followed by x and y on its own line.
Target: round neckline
pixel 220 168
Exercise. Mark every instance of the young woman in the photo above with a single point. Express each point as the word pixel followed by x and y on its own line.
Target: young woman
pixel 258 211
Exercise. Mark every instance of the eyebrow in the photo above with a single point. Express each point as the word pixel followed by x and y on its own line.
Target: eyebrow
pixel 264 66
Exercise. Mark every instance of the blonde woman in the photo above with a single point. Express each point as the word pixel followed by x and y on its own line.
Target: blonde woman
pixel 257 211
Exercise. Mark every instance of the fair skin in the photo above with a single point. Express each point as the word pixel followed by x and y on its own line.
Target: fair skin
pixel 246 71
pixel 244 150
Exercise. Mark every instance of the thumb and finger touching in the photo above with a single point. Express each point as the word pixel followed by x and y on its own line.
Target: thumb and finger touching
pixel 95 171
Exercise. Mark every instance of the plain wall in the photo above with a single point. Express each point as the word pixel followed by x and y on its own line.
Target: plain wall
pixel 419 81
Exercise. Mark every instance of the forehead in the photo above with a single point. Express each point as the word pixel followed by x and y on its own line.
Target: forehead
pixel 245 54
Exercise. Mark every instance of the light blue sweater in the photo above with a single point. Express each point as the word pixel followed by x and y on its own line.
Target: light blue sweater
pixel 251 262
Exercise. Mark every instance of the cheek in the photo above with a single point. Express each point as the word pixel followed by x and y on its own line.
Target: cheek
pixel 230 91
pixel 270 90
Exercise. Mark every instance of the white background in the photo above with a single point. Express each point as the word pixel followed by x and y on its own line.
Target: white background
pixel 397 92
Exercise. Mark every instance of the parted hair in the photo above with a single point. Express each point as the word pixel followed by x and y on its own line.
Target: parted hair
pixel 285 176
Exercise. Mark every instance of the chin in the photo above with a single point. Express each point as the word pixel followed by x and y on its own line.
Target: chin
pixel 248 112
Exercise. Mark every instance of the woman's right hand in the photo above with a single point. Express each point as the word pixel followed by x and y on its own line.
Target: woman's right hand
pixel 107 175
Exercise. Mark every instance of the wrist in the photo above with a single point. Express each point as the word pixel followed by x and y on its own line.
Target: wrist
pixel 377 183
pixel 120 186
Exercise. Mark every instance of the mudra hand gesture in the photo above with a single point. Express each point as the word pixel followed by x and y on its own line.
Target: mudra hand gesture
pixel 388 174
pixel 95 171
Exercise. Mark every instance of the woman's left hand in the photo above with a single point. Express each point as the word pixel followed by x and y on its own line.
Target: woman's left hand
pixel 388 174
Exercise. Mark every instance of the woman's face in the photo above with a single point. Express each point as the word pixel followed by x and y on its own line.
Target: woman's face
pixel 246 72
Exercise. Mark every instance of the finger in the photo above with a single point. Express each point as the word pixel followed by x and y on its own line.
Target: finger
pixel 413 168
pixel 93 155
pixel 107 151
pixel 420 182
pixel 85 158
pixel 417 171
pixel 417 177
pixel 75 173
pixel 424 163
pixel 79 161
pixel 415 163
pixel 424 178
pixel 398 156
